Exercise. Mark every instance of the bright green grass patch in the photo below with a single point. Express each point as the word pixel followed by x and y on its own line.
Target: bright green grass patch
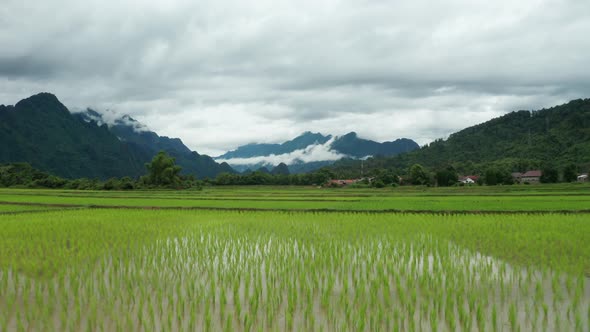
pixel 8 208
pixel 229 270
pixel 310 191
pixel 44 242
pixel 403 203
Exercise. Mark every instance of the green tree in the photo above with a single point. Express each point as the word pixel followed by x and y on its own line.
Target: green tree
pixel 378 184
pixel 259 177
pixel 225 179
pixel 491 177
pixel 418 175
pixel 127 183
pixel 494 176
pixel 570 173
pixel 162 171
pixel 550 175
pixel 112 184
pixel 386 176
pixel 447 177
pixel 322 176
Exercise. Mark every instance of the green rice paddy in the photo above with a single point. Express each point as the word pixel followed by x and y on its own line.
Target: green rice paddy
pixel 572 198
pixel 296 259
pixel 16 208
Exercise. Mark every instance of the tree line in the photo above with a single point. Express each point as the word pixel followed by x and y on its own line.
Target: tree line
pixel 162 172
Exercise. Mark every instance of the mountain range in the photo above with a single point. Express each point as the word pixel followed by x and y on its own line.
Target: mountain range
pixel 135 134
pixel 311 151
pixel 517 141
pixel 40 130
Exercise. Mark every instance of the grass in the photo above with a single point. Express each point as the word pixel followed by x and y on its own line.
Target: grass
pixel 165 270
pixel 514 198
pixel 11 208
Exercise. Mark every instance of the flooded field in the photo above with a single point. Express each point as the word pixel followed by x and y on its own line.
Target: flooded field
pixel 114 270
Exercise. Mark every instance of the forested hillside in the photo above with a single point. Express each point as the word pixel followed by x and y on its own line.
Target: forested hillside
pixel 517 141
pixel 41 131
pixel 149 143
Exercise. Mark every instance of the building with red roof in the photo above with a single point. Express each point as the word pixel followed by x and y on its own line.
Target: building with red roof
pixel 342 183
pixel 531 177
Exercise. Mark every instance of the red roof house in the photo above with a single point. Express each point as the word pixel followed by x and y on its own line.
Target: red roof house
pixel 531 176
pixel 342 183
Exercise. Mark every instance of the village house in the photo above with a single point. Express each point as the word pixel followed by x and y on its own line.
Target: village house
pixel 469 179
pixel 516 177
pixel 531 177
pixel 342 183
pixel 583 177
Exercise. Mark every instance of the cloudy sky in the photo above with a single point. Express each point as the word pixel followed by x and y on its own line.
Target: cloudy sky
pixel 221 73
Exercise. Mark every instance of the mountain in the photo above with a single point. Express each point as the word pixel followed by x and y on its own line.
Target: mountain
pixel 520 140
pixel 40 130
pixel 351 145
pixel 256 150
pixel 311 151
pixel 135 134
pixel 280 169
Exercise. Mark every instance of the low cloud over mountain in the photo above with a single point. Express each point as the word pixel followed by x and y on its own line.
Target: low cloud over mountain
pixel 311 148
pixel 111 119
pixel 311 153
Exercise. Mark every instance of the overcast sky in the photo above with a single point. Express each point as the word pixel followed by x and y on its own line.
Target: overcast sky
pixel 222 73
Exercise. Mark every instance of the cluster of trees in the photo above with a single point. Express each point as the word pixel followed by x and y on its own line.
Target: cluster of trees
pixel 162 172
pixel 494 174
pixel 22 174
pixel 383 177
pixel 318 177
pixel 447 174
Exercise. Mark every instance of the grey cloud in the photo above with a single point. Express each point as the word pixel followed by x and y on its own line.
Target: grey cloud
pixel 223 73
pixel 24 66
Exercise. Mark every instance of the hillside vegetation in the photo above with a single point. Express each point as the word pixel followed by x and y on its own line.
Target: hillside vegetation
pixel 42 132
pixel 554 137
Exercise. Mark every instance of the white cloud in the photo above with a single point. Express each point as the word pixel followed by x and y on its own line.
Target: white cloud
pixel 136 125
pixel 314 152
pixel 111 118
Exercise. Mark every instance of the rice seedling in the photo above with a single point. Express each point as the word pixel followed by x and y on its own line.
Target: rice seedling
pixel 113 269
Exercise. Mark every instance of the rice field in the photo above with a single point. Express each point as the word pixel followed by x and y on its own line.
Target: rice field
pixel 16 208
pixel 572 198
pixel 299 269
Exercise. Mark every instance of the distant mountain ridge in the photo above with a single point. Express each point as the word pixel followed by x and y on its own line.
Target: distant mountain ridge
pixel 352 145
pixel 40 130
pixel 559 134
pixel 517 141
pixel 128 129
pixel 310 151
pixel 256 150
pixel 136 134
